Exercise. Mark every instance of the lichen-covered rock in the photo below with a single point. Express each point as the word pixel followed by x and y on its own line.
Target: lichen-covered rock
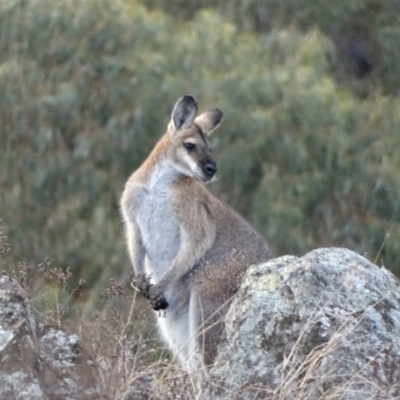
pixel 39 362
pixel 324 326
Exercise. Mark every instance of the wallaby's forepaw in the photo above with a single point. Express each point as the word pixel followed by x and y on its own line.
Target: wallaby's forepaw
pixel 157 300
pixel 144 285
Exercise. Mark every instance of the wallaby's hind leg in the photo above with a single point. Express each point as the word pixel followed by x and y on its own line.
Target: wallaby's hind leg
pixel 206 320
pixel 215 285
pixel 194 336
pixel 174 328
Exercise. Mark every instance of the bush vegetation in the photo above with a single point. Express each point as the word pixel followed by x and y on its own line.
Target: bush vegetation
pixel 309 154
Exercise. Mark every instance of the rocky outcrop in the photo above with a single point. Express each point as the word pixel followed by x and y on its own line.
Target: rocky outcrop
pixel 38 361
pixel 323 326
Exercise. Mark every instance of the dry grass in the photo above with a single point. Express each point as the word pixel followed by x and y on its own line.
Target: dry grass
pixel 120 334
pixel 121 338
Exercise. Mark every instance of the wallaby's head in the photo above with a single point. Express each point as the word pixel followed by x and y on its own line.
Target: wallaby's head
pixel 189 147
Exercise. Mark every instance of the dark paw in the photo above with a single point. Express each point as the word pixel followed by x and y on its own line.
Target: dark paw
pixel 144 285
pixel 157 300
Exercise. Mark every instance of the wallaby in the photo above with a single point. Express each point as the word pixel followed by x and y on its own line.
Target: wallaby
pixel 189 250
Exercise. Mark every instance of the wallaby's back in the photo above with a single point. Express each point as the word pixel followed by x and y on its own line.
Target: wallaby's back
pixel 217 276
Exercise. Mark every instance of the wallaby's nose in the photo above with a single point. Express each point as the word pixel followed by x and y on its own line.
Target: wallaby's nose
pixel 210 169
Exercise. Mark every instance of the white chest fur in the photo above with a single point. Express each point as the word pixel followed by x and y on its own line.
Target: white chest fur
pixel 156 218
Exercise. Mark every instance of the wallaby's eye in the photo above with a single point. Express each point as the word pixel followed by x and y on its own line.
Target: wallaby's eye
pixel 190 146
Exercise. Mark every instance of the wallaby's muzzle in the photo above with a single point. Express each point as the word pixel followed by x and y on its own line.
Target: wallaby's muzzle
pixel 209 170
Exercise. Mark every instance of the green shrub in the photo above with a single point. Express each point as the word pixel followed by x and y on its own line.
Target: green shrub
pixel 365 32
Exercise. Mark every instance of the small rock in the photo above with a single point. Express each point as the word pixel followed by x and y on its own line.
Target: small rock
pixel 38 361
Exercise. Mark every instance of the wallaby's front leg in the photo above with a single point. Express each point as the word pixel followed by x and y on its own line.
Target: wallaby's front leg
pixel 193 246
pixel 137 254
pixel 143 284
pixel 157 299
pixel 151 292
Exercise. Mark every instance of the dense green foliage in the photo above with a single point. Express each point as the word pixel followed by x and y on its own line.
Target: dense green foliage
pixel 365 32
pixel 87 88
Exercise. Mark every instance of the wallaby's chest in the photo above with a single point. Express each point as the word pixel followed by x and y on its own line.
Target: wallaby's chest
pixel 154 210
pixel 159 228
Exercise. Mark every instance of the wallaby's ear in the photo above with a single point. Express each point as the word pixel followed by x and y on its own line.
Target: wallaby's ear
pixel 184 112
pixel 209 120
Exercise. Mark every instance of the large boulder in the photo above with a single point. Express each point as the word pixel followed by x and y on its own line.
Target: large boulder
pixel 39 362
pixel 323 326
